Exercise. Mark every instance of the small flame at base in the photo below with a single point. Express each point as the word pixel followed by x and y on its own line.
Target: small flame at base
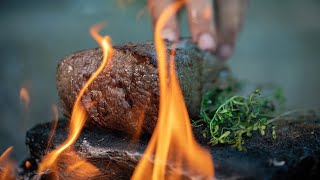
pixel 172 150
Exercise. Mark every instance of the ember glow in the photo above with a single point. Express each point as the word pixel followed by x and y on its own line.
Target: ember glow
pixel 172 151
pixel 79 116
pixel 27 164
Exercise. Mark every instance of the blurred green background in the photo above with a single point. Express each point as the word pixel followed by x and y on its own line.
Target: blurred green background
pixel 279 44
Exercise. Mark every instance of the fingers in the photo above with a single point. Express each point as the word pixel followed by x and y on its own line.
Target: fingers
pixel 230 14
pixel 230 18
pixel 171 29
pixel 201 23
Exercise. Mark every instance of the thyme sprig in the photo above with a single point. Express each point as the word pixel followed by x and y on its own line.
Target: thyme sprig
pixel 229 118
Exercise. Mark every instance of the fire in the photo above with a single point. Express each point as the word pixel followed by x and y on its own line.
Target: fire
pixel 7 170
pixel 77 168
pixel 79 116
pixel 25 101
pixel 172 151
pixel 140 117
pixel 24 97
pixel 80 166
pixel 54 125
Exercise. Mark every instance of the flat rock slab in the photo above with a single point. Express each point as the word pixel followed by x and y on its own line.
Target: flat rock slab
pixel 295 154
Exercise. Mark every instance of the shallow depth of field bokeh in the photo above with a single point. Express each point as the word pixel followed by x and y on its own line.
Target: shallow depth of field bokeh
pixel 279 44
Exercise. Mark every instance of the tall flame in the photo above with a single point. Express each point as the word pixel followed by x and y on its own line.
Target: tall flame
pixel 79 116
pixel 172 151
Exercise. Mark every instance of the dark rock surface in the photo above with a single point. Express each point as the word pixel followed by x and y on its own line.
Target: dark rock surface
pixel 102 148
pixel 127 92
pixel 295 154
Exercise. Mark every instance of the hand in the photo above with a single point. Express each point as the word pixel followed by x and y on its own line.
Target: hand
pixel 218 37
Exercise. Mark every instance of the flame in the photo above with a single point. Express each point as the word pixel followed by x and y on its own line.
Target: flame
pixel 7 170
pixel 77 168
pixel 172 151
pixel 54 125
pixel 25 101
pixel 70 166
pixel 139 112
pixel 79 116
pixel 25 97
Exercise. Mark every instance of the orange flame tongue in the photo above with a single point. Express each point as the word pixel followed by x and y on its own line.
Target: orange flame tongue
pixel 7 170
pixel 54 126
pixel 172 146
pixel 79 116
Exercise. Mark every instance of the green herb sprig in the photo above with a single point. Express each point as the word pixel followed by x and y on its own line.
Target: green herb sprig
pixel 229 118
